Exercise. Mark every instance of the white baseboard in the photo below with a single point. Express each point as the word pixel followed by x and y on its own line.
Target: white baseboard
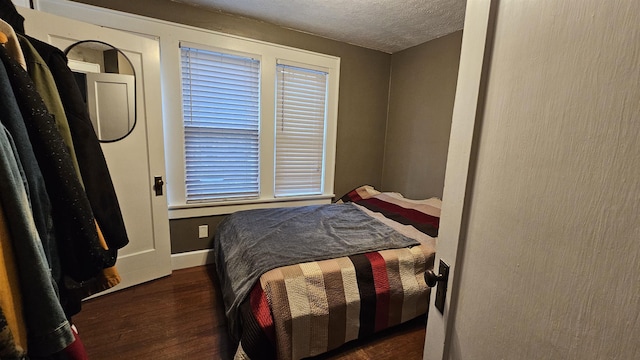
pixel 191 259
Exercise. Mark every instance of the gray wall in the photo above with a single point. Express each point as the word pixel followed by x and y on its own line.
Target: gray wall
pixel 184 233
pixel 550 255
pixel 423 86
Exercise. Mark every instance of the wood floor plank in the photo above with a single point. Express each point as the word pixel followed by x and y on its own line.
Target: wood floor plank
pixel 182 317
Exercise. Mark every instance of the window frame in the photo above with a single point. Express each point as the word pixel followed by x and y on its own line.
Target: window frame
pixel 269 55
pixel 229 53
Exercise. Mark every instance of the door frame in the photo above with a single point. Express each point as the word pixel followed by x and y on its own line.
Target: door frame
pixel 466 119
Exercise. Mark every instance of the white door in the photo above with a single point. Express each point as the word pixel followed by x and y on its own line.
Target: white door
pixel 457 171
pixel 541 206
pixel 135 160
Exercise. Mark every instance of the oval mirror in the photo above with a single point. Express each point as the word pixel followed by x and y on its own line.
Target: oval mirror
pixel 107 82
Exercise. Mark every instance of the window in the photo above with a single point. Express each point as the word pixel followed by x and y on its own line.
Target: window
pixel 221 112
pixel 300 126
pixel 255 125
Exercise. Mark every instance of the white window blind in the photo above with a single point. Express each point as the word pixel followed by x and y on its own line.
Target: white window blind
pixel 300 130
pixel 221 112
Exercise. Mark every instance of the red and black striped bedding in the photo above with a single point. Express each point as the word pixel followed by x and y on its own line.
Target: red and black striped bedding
pixel 306 309
pixel 424 215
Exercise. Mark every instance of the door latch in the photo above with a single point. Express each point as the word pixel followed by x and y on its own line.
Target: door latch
pixel 442 281
pixel 157 185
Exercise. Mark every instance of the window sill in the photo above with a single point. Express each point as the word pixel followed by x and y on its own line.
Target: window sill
pixel 228 207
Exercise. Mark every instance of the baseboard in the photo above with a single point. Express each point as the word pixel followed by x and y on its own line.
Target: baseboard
pixel 191 259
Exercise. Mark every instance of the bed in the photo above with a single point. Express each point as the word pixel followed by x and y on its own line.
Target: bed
pixel 298 282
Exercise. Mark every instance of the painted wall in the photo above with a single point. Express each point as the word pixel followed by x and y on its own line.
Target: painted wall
pixel 422 90
pixel 184 233
pixel 551 260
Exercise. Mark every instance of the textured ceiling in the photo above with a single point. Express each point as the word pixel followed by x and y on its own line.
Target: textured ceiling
pixel 385 25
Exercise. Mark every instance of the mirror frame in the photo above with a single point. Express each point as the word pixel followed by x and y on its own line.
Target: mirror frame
pixel 135 86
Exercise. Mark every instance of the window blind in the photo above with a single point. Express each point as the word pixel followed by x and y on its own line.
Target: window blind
pixel 221 112
pixel 300 128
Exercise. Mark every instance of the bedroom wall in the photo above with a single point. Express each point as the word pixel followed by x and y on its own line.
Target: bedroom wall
pixel 551 257
pixel 362 112
pixel 422 90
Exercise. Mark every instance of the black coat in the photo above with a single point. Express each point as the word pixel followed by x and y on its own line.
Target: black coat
pixel 93 166
pixel 81 255
pixel 38 196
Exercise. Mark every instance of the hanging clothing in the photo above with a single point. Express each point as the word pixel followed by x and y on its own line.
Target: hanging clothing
pixel 106 279
pixel 12 45
pixel 75 351
pixel 48 328
pixel 46 87
pixel 38 196
pixel 10 295
pixel 93 166
pixel 80 252
pixel 9 348
pixel 60 253
pixel 10 14
pixel 45 84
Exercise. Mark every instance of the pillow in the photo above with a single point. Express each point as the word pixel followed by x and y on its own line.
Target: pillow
pixel 359 193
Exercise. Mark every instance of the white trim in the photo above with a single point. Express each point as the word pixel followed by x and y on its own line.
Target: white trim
pixel 191 259
pixel 216 49
pixel 224 208
pixel 287 62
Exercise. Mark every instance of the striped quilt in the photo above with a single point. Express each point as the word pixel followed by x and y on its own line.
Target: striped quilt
pixel 307 309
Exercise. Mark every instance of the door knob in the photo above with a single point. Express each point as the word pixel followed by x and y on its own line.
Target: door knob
pixel 442 281
pixel 432 279
pixel 157 185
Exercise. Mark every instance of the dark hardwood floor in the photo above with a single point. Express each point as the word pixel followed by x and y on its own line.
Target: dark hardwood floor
pixel 181 317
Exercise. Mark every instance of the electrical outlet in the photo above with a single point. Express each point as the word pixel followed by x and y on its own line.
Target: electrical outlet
pixel 203 231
